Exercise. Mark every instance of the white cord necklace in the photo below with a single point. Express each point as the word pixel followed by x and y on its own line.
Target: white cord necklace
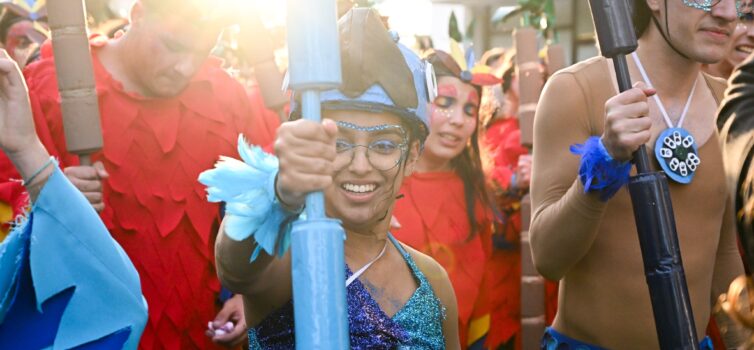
pixel 361 271
pixel 675 148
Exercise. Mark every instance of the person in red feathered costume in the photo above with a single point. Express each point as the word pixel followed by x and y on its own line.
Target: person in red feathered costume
pixel 445 211
pixel 509 170
pixel 13 198
pixel 168 111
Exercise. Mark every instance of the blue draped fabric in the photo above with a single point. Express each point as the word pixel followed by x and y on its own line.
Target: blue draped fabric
pixel 64 282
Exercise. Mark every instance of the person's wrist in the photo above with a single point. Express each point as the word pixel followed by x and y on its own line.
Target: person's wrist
pixel 289 202
pixel 614 154
pixel 29 159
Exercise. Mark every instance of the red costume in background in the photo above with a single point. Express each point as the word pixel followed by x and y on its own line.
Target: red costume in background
pixel 13 197
pixel 154 150
pixel 433 220
pixel 502 140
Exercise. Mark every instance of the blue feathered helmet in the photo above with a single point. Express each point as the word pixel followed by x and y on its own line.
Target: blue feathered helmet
pixel 380 74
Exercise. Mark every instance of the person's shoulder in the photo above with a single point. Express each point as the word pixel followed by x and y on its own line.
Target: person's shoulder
pixel 592 66
pixel 592 73
pixel 428 266
pixel 433 271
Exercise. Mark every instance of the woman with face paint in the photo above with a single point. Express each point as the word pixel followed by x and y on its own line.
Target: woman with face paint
pixel 445 212
pixel 373 129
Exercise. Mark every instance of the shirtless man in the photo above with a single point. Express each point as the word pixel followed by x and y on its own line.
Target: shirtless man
pixel 588 239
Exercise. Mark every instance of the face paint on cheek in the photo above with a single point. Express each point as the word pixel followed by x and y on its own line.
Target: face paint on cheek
pixel 434 113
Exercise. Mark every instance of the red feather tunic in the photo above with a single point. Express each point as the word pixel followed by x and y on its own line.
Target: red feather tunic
pixel 13 197
pixel 154 150
pixel 433 220
pixel 502 141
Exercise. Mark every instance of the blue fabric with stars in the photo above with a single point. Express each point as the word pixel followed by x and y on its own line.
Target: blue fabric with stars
pixel 418 325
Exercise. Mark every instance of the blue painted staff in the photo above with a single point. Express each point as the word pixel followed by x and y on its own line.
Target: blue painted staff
pixel 319 292
pixel 650 196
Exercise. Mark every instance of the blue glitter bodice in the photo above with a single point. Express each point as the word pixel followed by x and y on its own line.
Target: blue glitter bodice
pixel 418 325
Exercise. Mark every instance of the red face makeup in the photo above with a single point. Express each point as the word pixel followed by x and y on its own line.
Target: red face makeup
pixel 453 119
pixel 447 90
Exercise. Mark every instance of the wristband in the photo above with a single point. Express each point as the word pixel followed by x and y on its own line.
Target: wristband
pixel 598 171
pixel 39 171
pixel 248 189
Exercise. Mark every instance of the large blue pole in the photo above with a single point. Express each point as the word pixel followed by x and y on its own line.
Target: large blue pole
pixel 318 267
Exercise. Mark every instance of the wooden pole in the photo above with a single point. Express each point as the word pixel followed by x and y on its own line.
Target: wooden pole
pixel 556 59
pixel 532 284
pixel 258 49
pixel 75 75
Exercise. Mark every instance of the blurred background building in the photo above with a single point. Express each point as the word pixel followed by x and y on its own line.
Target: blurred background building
pixel 573 22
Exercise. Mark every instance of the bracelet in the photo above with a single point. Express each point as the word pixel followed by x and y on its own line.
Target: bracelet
pixel 247 187
pixel 287 207
pixel 598 171
pixel 39 171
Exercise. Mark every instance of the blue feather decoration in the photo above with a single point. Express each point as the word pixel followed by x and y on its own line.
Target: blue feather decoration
pixel 248 189
pixel 598 171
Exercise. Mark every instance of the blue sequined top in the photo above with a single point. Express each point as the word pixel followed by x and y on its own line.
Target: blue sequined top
pixel 418 325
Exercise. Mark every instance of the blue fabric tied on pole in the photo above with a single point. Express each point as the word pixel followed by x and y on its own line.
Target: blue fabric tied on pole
pixel 64 281
pixel 598 171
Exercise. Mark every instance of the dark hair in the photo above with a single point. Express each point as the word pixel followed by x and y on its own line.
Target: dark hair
pixel 509 69
pixel 468 164
pixel 641 16
pixel 8 19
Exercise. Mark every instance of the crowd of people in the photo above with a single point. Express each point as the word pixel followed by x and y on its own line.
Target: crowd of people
pixel 419 158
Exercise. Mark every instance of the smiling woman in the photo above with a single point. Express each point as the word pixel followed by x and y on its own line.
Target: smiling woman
pixel 374 126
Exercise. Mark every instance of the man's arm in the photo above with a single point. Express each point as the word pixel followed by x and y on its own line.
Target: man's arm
pixel 565 219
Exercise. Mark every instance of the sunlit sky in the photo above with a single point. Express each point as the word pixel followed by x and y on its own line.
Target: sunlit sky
pixel 407 17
